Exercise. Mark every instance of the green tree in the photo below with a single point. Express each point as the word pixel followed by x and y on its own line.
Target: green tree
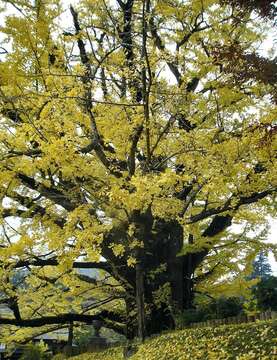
pixel 261 267
pixel 130 143
pixel 226 307
pixel 266 293
pixel 35 352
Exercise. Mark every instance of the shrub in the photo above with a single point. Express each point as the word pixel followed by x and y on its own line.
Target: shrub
pixel 35 352
pixel 187 317
pixel 221 308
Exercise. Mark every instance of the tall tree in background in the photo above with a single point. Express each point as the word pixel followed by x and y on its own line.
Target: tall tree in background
pixel 265 293
pixel 130 143
pixel 261 266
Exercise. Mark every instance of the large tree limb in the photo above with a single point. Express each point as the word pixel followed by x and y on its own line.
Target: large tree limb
pixel 50 193
pixel 31 205
pixel 86 79
pixel 107 317
pixel 216 226
pixel 205 275
pixel 220 222
pixel 243 200
pixel 54 262
pixel 134 141
pixel 24 214
pixel 160 45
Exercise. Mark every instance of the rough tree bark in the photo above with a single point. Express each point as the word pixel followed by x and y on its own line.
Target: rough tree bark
pixel 147 315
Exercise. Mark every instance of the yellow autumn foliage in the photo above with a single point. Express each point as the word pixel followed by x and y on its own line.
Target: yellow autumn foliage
pixel 229 342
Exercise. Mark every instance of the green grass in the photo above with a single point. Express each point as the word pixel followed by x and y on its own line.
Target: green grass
pixel 253 341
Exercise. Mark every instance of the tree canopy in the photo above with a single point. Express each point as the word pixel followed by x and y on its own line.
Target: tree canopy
pixel 130 141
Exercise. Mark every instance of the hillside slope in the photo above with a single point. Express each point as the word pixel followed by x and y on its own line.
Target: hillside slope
pixel 255 341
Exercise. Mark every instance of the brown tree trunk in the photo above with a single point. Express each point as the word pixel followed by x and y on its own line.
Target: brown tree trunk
pixel 131 323
pixel 140 300
pixel 68 347
pixel 159 264
pixel 161 251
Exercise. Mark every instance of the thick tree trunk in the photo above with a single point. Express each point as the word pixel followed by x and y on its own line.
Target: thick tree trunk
pixel 159 319
pixel 68 347
pixel 131 314
pixel 162 268
pixel 140 300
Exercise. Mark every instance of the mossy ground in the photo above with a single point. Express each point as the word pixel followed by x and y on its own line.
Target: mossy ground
pixel 238 342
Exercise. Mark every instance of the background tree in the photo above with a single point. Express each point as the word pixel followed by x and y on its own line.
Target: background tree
pixel 266 293
pixel 130 143
pixel 211 308
pixel 261 266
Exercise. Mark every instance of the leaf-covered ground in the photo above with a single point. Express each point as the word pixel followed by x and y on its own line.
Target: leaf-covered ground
pixel 240 342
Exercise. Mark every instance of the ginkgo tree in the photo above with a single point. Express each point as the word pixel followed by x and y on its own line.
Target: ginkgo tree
pixel 131 141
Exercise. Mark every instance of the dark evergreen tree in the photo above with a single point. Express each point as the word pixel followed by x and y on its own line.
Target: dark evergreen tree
pixel 266 293
pixel 261 267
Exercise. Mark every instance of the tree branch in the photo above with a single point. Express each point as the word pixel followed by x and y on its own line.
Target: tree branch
pixel 227 207
pixel 106 316
pixel 132 156
pixel 54 262
pixel 96 138
pixel 50 193
pixel 160 45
